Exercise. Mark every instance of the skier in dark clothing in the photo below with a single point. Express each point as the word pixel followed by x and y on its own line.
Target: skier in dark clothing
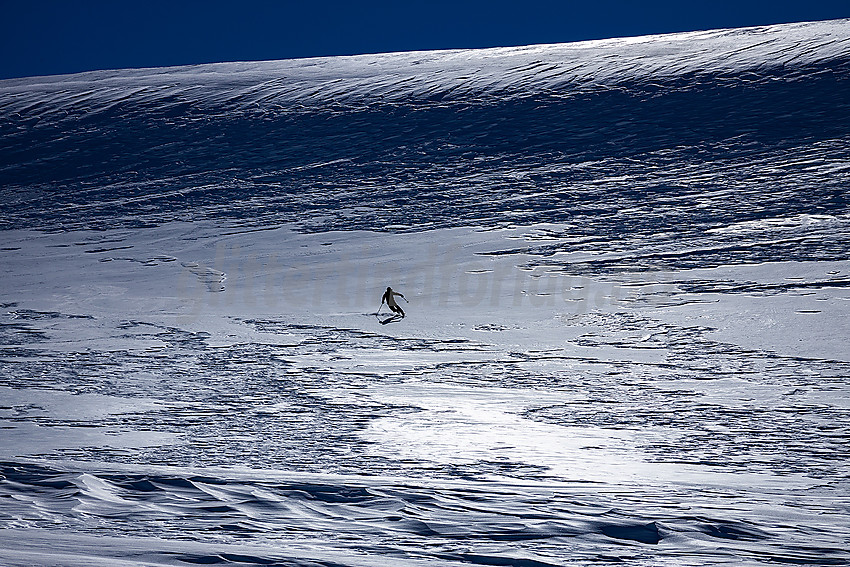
pixel 389 298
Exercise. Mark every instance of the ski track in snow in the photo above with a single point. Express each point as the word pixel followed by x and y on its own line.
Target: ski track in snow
pixel 627 267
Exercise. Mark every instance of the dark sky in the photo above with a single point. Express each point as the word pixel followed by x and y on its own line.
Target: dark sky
pixel 52 37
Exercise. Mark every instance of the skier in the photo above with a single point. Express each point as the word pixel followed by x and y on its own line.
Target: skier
pixel 390 299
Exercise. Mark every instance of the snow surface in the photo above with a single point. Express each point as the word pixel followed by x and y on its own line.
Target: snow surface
pixel 628 278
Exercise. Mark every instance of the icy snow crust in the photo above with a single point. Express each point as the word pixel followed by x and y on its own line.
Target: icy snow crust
pixel 627 336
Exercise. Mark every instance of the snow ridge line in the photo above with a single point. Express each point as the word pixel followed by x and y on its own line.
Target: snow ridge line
pixel 435 76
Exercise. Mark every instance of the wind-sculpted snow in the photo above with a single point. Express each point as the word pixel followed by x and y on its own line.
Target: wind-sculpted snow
pixel 747 55
pixel 628 275
pixel 623 140
pixel 279 520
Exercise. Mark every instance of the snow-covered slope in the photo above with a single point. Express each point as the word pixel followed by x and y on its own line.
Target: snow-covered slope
pixel 621 139
pixel 627 267
pixel 455 75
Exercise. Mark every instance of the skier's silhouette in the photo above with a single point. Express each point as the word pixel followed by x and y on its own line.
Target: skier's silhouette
pixel 389 297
